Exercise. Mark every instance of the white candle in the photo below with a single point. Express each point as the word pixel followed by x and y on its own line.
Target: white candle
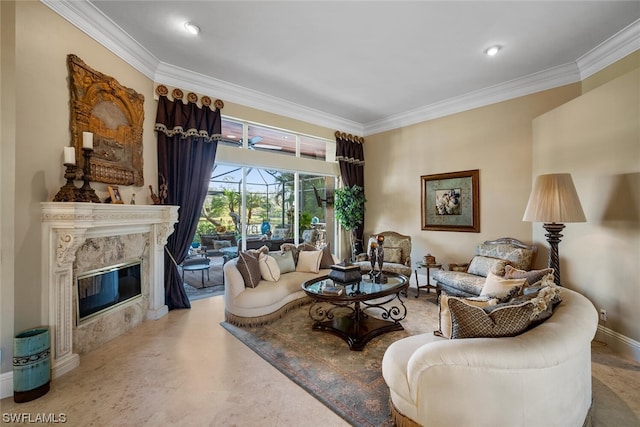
pixel 69 155
pixel 87 140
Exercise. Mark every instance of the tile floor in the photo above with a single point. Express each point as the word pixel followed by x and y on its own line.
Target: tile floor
pixel 184 369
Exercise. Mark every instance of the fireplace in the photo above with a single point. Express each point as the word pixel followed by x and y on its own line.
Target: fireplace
pixel 83 241
pixel 106 288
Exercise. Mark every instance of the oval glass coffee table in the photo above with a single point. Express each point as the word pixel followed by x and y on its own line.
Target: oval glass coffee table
pixel 357 312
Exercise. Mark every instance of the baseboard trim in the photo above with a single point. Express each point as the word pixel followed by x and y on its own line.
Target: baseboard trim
pixel 6 385
pixel 621 344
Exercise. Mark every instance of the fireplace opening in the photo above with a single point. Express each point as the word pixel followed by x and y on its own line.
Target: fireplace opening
pixel 105 288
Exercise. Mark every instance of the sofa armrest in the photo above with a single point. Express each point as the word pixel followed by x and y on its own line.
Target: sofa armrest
pixel 233 281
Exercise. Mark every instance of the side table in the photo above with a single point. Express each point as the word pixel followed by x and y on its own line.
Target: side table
pixel 427 267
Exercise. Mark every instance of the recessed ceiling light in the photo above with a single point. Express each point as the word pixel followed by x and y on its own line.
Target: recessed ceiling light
pixel 191 28
pixel 493 50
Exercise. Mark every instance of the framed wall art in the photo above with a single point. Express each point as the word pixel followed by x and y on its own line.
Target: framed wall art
pixel 114 192
pixel 114 114
pixel 451 201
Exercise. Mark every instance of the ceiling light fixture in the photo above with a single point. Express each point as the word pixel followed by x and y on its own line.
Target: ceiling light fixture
pixel 191 28
pixel 493 50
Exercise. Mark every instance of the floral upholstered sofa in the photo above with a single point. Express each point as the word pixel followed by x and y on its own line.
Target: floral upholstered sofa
pixel 397 253
pixel 491 256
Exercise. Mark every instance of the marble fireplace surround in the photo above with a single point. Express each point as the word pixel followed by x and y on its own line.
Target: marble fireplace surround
pixel 65 229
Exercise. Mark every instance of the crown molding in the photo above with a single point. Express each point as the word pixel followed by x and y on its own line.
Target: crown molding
pixel 543 80
pixel 90 20
pixel 85 16
pixel 621 44
pixel 172 75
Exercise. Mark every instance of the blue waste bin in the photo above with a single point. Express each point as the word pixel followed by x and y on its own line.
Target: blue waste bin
pixel 31 364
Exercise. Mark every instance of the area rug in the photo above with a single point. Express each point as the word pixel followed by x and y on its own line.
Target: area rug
pixel 348 382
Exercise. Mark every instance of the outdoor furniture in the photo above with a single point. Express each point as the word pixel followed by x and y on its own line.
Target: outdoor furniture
pixel 196 263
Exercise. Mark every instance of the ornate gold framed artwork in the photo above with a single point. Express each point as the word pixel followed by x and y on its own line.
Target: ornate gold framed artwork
pixel 451 201
pixel 114 114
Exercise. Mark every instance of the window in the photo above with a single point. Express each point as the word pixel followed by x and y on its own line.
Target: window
pixel 253 202
pixel 265 138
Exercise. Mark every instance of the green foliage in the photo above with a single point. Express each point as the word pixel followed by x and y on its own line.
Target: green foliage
pixel 204 227
pixel 349 206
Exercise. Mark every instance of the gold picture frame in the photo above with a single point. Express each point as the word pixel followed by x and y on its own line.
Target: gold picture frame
pixel 115 115
pixel 114 192
pixel 451 201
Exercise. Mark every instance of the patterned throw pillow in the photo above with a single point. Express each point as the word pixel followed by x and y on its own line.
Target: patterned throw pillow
pixel 285 261
pixel 473 322
pixel 501 288
pixel 392 254
pixel 269 269
pixel 503 320
pixel 295 250
pixel 483 265
pixel 327 258
pixel 444 316
pixel 309 261
pixel 249 269
pixel 532 276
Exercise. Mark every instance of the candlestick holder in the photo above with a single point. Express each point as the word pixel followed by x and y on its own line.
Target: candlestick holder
pixel 69 192
pixel 87 194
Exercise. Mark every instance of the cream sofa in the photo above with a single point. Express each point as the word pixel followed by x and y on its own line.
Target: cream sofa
pixel 245 306
pixel 539 378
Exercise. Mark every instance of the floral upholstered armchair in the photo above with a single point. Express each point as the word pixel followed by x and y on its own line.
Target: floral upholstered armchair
pixel 397 253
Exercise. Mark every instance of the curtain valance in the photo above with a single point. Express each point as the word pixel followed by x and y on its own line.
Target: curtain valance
pixel 187 119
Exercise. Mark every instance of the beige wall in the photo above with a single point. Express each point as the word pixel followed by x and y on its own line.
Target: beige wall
pixel 596 138
pixel 495 139
pixel 42 42
pixel 7 179
pixel 40 119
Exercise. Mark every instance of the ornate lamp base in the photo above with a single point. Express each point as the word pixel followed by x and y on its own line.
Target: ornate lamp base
pixel 553 237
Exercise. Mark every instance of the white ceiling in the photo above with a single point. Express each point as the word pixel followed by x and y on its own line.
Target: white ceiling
pixel 362 66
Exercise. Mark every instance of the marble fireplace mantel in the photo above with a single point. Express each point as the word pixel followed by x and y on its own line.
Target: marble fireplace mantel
pixel 65 227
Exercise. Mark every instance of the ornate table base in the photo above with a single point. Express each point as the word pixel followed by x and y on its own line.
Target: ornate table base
pixel 358 327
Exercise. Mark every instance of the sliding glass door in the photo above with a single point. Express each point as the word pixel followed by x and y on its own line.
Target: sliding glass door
pixel 272 206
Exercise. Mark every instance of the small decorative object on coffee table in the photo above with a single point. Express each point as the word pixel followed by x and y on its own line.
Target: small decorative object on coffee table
pixel 380 258
pixel 345 273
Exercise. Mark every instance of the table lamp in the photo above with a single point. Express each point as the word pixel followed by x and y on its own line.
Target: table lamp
pixel 554 201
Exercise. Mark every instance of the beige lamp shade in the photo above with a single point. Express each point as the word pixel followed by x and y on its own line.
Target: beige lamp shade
pixel 554 199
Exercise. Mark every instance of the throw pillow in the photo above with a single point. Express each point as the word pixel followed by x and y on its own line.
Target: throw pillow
pixel 483 265
pixel 309 261
pixel 285 262
pixel 327 258
pixel 501 288
pixel 290 247
pixel 219 244
pixel 532 276
pixel 269 269
pixel 295 250
pixel 474 322
pixel 249 269
pixel 444 316
pixel 392 254
pixel 261 250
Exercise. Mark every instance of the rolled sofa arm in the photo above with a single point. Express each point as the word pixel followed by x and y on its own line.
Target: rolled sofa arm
pixel 550 364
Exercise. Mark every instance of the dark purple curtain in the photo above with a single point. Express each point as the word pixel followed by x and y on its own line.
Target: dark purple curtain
pixel 187 141
pixel 350 156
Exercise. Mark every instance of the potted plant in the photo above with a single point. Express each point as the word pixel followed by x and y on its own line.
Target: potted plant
pixel 349 210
